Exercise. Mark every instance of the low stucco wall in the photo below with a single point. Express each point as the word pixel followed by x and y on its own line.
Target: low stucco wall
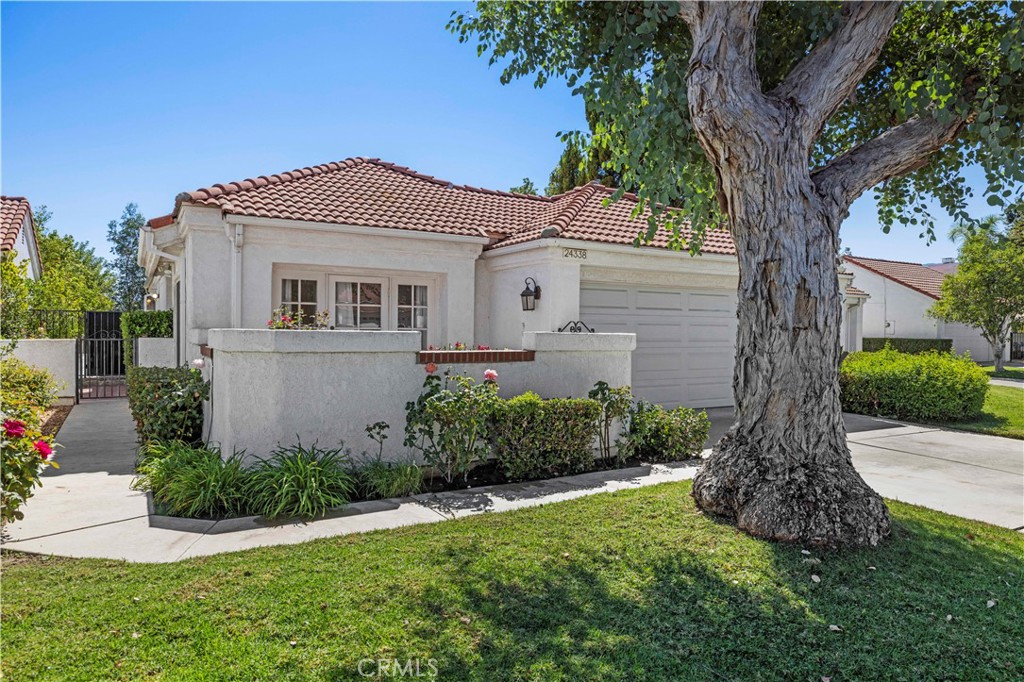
pixel 54 355
pixel 272 386
pixel 150 352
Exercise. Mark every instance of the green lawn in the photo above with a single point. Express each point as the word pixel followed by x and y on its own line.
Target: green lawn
pixel 634 585
pixel 1013 373
pixel 1003 414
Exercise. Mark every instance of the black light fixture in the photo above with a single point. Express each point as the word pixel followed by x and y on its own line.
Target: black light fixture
pixel 530 295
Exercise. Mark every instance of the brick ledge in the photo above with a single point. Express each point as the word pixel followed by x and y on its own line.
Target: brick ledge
pixel 465 357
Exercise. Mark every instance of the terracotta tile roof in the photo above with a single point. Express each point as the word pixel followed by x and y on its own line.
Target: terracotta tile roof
pixel 914 276
pixel 375 193
pixel 854 291
pixel 12 216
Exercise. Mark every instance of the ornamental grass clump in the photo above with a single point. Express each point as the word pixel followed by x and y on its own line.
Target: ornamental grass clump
pixel 381 480
pixel 300 481
pixel 930 387
pixel 193 482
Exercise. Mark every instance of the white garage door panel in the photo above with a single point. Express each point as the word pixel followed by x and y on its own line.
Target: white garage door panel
pixel 685 339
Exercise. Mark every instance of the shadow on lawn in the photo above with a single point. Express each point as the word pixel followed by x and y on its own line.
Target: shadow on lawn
pixel 672 614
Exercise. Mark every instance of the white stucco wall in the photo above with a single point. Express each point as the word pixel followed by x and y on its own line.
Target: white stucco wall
pixel 903 308
pixel 968 339
pixel 326 386
pixel 156 352
pixel 57 356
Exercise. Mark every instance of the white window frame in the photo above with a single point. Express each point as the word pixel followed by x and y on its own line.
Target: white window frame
pixel 326 277
pixel 385 298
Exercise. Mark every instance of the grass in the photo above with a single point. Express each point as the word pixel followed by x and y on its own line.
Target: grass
pixel 634 585
pixel 1003 414
pixel 1012 373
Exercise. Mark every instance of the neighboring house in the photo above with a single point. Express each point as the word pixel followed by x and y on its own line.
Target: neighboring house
pixel 382 247
pixel 947 267
pixel 901 293
pixel 18 233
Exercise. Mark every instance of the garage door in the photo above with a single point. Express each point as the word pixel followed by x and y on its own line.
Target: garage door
pixel 685 339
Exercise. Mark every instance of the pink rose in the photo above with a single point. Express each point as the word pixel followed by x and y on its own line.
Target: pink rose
pixel 14 428
pixel 490 375
pixel 431 368
pixel 43 448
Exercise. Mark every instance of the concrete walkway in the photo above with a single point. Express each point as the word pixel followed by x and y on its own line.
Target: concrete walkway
pixel 86 509
pixel 1007 382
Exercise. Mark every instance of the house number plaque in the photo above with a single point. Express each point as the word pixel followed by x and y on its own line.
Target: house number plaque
pixel 579 254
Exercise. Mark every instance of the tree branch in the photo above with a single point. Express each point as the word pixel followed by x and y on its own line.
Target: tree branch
pixel 895 152
pixel 826 77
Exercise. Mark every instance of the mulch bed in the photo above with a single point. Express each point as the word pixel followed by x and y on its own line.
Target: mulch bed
pixel 54 418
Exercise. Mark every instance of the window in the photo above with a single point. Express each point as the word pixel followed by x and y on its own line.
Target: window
pixel 359 305
pixel 298 296
pixel 412 309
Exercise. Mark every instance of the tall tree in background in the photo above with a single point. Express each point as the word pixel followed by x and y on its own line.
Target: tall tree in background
pixel 526 187
pixel 987 289
pixel 123 235
pixel 74 277
pixel 773 118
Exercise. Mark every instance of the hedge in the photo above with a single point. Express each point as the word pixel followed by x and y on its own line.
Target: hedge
pixel 167 403
pixel 659 435
pixel 536 438
pixel 156 324
pixel 931 387
pixel 872 344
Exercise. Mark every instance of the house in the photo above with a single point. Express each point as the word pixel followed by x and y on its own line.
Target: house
pixel 387 249
pixel 900 295
pixel 18 234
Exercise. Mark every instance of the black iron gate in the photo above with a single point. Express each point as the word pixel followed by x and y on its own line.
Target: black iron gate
pixel 101 371
pixel 1017 346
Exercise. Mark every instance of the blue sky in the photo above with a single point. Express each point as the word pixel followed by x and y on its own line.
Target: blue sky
pixel 103 104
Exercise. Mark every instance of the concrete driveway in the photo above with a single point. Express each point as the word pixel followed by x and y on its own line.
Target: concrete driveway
pixel 966 474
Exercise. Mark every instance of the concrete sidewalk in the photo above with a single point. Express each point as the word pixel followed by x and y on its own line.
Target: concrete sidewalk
pixel 86 509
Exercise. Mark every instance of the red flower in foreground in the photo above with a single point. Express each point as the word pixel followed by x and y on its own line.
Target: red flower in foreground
pixel 43 448
pixel 431 368
pixel 14 428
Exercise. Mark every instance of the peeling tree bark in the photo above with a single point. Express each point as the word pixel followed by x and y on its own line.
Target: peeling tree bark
pixel 784 470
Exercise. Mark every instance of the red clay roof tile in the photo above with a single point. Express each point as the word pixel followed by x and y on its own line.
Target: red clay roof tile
pixel 914 276
pixel 375 193
pixel 13 211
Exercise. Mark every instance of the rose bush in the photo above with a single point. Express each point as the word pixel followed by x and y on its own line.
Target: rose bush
pixel 26 392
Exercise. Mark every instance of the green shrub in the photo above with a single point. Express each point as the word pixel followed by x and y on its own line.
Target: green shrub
pixel 300 481
pixel 157 324
pixel 872 344
pixel 659 435
pixel 934 387
pixel 24 386
pixel 448 423
pixel 615 404
pixel 167 403
pixel 536 438
pixel 381 480
pixel 193 482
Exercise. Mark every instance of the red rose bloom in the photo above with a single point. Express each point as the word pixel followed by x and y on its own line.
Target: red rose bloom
pixel 43 448
pixel 431 368
pixel 14 428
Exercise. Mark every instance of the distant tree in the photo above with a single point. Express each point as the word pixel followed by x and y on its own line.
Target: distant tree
pixel 130 286
pixel 527 187
pixel 987 290
pixel 74 277
pixel 14 296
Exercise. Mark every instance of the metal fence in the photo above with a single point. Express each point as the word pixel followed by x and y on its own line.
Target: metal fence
pixel 53 324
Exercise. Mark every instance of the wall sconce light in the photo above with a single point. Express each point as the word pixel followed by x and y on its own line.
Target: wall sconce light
pixel 530 295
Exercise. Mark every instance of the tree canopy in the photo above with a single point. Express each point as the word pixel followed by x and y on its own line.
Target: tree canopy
pixel 525 187
pixel 944 67
pixel 130 286
pixel 74 277
pixel 987 289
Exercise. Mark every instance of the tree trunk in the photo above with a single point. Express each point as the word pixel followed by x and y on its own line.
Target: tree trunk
pixel 783 471
pixel 997 355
